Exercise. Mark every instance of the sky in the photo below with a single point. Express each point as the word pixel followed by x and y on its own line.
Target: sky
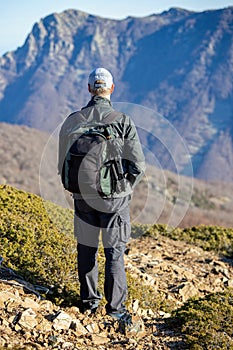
pixel 17 17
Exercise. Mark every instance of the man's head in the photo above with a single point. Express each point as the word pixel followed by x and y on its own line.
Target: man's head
pixel 100 82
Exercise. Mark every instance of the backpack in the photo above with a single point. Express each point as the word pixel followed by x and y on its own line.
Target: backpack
pixel 93 162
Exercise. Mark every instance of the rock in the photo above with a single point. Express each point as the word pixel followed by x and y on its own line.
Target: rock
pixel 2 341
pixel 192 251
pixel 34 346
pixel 137 329
pixel 67 345
pixel 29 303
pixel 5 295
pixel 92 328
pixel 164 314
pixel 43 325
pixel 77 326
pixel 229 283
pixel 47 305
pixel 218 263
pixel 17 328
pixel 135 306
pixel 62 321
pixel 100 338
pixel 187 291
pixel 150 313
pixel 74 310
pixel 11 305
pixel 27 319
pixel 218 269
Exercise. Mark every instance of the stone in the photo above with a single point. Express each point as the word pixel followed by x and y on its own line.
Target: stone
pixel 92 328
pixel 2 341
pixel 189 275
pixel 137 329
pixel 27 319
pixel 192 251
pixel 62 321
pixel 150 313
pixel 67 345
pixel 74 310
pixel 12 304
pixel 43 325
pixel 34 346
pixel 17 328
pixel 77 326
pixel 30 303
pixel 100 338
pixel 135 306
pixel 229 283
pixel 5 295
pixel 164 314
pixel 187 291
pixel 5 323
pixel 47 305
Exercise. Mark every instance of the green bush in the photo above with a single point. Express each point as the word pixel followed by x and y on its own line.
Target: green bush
pixel 32 244
pixel 209 238
pixel 201 199
pixel 36 239
pixel 207 322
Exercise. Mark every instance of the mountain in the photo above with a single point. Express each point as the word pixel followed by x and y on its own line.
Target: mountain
pixel 28 161
pixel 177 63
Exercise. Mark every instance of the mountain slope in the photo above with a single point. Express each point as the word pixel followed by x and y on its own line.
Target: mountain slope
pixel 174 63
pixel 166 269
pixel 28 161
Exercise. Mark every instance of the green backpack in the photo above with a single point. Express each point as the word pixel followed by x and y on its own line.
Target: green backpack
pixel 93 162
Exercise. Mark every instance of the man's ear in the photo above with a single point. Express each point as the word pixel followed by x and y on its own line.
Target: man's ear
pixel 112 88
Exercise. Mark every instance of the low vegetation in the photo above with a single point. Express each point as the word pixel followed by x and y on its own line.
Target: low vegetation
pixel 209 238
pixel 37 241
pixel 207 322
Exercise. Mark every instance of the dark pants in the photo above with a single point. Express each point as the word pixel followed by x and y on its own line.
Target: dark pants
pixel 112 217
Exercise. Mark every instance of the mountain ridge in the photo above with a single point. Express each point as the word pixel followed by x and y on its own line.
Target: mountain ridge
pixel 185 53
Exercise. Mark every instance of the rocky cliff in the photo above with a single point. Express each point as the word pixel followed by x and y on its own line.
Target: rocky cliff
pixel 178 63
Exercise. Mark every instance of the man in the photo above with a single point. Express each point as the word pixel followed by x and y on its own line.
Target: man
pixel 108 213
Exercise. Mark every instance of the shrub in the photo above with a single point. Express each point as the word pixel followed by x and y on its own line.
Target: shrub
pixel 209 238
pixel 32 244
pixel 36 239
pixel 207 322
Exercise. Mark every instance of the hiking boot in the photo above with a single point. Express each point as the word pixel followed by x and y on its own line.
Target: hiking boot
pixel 88 308
pixel 118 315
pixel 124 320
pixel 121 316
pixel 129 325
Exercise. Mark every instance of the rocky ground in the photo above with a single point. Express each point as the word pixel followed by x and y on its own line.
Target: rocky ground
pixel 177 269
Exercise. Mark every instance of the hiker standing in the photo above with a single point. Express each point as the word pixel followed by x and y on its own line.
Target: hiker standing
pixel 101 197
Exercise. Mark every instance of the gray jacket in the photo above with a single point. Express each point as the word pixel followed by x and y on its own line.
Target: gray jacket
pixel 96 110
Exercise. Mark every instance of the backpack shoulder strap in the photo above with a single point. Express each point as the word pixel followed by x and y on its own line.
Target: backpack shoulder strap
pixel 111 117
pixel 108 119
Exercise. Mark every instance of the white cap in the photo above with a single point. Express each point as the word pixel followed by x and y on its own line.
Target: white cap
pixel 100 77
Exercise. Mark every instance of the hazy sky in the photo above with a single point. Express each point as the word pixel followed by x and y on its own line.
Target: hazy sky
pixel 18 16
